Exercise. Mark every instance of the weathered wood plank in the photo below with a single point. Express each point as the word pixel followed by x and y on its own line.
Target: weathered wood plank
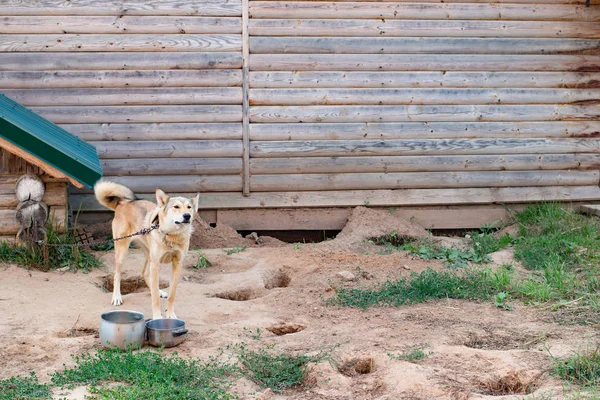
pixel 120 43
pixel 173 184
pixel 170 149
pixel 119 79
pixel 10 226
pixel 591 209
pixel 433 147
pixel 122 7
pixel 420 62
pixel 309 97
pixel 424 28
pixel 165 24
pixel 420 180
pixel 167 131
pixel 118 61
pixel 422 79
pixel 424 130
pixel 133 96
pixel 420 45
pixel 415 113
pixel 246 101
pixel 139 114
pixel 381 198
pixel 386 164
pixel 168 166
pixel 399 10
pixel 592 2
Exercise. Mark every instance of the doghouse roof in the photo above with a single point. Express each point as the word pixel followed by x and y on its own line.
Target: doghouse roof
pixel 56 151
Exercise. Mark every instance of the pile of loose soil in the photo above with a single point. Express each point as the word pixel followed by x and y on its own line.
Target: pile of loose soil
pixel 223 236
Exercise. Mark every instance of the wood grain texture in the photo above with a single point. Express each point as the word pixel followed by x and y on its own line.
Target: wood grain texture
pixel 414 113
pixel 170 166
pixel 345 148
pixel 421 79
pixel 120 43
pixel 157 131
pixel 420 180
pixel 10 226
pixel 424 28
pixel 424 130
pixel 54 195
pixel 139 114
pixel 387 164
pixel 117 61
pixel 421 62
pixel 421 10
pixel 383 198
pixel 176 183
pixel 122 7
pixel 119 79
pixel 165 24
pixel 420 45
pixel 309 97
pixel 169 149
pixel 129 96
pixel 580 2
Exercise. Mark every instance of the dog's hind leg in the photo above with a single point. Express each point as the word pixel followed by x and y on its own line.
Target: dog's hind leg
pixel 121 248
pixel 146 276
pixel 175 274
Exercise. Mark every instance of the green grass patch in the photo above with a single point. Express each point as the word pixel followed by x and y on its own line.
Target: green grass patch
pixel 412 353
pixel 470 283
pixel 236 249
pixel 202 262
pixel 147 375
pixel 276 370
pixel 24 388
pixel 75 258
pixel 581 368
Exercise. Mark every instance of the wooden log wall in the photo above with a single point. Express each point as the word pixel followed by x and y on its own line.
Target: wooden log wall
pixel 319 103
pixel 156 86
pixel 452 98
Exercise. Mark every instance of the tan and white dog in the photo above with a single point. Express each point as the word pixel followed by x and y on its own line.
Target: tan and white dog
pixel 168 243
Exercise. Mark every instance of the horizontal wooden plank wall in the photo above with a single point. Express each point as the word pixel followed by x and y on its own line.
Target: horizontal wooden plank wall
pixel 423 102
pixel 156 86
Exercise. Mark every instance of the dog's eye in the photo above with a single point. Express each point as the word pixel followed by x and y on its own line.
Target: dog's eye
pixel 175 206
pixel 189 207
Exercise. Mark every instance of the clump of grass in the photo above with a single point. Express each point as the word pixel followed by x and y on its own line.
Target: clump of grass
pixel 51 257
pixel 276 370
pixel 202 262
pixel 412 353
pixel 236 249
pixel 499 301
pixel 581 368
pixel 24 388
pixel 471 283
pixel 146 375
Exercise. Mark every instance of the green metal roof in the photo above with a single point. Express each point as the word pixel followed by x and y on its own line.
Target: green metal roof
pixel 49 142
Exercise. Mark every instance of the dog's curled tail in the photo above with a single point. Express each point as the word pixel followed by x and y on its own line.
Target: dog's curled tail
pixel 111 194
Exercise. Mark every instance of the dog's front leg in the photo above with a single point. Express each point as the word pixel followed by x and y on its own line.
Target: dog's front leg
pixel 154 287
pixel 175 274
pixel 121 248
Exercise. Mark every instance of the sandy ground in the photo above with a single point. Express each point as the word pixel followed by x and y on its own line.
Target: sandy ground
pixel 49 316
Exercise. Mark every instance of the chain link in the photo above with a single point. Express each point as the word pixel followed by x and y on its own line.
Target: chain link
pixel 144 231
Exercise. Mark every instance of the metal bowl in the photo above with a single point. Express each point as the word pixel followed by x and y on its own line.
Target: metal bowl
pixel 166 332
pixel 121 328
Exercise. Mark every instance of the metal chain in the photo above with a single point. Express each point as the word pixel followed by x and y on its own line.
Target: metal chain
pixel 144 231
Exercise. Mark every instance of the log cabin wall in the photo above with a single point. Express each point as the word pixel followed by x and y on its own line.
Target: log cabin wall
pixel 420 103
pixel 154 85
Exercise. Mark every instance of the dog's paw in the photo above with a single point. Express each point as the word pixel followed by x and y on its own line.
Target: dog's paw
pixel 117 300
pixel 163 294
pixel 171 315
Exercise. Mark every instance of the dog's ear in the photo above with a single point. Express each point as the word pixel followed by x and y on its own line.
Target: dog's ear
pixel 196 202
pixel 161 198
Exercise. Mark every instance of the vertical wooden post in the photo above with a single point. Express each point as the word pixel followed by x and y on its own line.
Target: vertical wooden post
pixel 245 101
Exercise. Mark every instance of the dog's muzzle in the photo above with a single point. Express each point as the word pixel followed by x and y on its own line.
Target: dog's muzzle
pixel 186 219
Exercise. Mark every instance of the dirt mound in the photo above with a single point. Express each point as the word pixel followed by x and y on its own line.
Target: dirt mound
pixel 512 383
pixel 207 237
pixel 365 224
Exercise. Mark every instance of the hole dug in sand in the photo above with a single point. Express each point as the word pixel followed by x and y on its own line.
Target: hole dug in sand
pixel 514 382
pixel 285 328
pixel 128 285
pixel 78 332
pixel 276 279
pixel 357 366
pixel 238 295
